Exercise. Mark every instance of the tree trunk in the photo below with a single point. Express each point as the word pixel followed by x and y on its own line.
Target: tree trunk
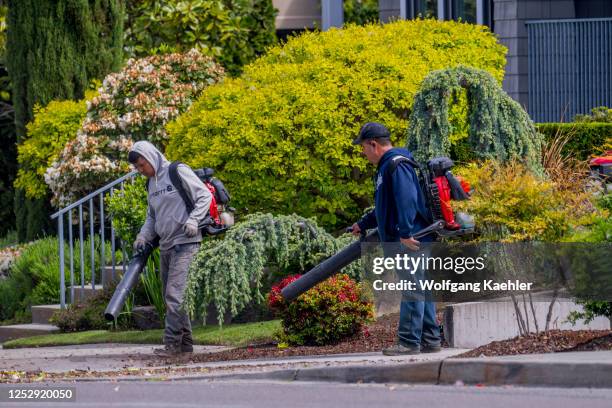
pixel 550 309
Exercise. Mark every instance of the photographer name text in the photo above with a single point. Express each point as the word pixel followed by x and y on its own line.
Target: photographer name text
pixel 450 286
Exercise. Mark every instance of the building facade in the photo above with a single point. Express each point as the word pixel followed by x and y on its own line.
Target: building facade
pixel 559 60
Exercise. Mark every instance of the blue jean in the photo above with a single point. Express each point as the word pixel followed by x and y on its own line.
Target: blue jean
pixel 418 324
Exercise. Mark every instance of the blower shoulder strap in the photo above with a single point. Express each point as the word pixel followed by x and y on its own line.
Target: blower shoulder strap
pixel 396 160
pixel 421 181
pixel 177 182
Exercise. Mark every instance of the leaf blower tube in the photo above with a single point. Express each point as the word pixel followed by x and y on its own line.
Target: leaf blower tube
pixel 335 263
pixel 128 281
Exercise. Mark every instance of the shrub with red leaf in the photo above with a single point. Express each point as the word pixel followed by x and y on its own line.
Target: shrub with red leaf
pixel 275 299
pixel 333 310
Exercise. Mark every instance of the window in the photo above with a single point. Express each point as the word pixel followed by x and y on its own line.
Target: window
pixel 463 9
pixel 423 8
pixel 593 8
pixel 471 11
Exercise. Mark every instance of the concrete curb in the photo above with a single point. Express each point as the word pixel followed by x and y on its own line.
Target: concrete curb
pixel 450 371
pixel 527 373
pixel 426 372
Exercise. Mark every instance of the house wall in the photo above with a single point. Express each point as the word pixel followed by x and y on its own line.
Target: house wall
pixel 510 17
pixel 297 14
pixel 388 9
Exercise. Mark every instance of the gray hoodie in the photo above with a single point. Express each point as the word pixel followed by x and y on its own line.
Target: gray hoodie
pixel 166 212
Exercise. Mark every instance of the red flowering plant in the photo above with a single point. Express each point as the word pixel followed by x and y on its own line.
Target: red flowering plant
pixel 333 310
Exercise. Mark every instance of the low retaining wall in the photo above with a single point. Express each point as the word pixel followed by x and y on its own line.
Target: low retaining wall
pixel 469 325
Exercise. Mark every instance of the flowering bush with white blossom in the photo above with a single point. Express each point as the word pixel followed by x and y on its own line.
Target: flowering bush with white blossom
pixel 8 256
pixel 134 104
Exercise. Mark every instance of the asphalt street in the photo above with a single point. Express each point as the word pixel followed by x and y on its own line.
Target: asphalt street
pixel 237 394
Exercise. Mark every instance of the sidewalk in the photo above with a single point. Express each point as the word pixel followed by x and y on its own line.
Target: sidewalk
pixel 88 357
pixel 136 362
pixel 130 360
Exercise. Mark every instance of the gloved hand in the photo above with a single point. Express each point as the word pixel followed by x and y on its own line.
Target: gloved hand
pixel 190 230
pixel 139 244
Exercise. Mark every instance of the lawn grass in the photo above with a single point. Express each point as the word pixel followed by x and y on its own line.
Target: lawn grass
pixel 229 335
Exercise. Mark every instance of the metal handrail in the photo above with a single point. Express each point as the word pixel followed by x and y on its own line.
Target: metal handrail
pixel 98 191
pixel 88 199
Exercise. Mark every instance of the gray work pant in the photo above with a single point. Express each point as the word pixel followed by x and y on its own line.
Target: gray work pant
pixel 174 264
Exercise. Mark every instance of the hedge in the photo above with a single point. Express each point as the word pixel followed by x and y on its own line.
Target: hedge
pixel 280 135
pixel 586 137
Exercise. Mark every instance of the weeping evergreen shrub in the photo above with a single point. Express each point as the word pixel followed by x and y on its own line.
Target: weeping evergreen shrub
pixel 232 272
pixel 499 128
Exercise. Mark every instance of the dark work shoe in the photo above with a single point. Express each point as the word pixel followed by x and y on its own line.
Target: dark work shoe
pixel 426 348
pixel 401 350
pixel 169 350
pixel 187 343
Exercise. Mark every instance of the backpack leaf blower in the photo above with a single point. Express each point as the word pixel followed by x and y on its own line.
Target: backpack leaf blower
pixel 336 262
pixel 438 184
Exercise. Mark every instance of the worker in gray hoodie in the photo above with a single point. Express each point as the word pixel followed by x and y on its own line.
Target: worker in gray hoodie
pixel 179 235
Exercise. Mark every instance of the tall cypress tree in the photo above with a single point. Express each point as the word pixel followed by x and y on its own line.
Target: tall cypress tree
pixel 55 48
pixel 8 151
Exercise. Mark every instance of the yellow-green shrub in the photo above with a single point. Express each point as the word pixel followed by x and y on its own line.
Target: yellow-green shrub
pixel 510 203
pixel 53 126
pixel 280 135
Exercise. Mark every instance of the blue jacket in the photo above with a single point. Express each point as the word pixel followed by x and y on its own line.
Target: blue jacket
pixel 400 208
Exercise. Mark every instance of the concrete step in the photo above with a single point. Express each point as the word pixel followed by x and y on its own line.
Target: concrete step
pixel 107 274
pixel 42 313
pixel 17 331
pixel 81 294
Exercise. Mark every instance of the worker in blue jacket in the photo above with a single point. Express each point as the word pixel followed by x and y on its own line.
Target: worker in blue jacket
pixel 400 211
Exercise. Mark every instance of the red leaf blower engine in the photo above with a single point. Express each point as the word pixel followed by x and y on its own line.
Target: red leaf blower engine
pixel 220 213
pixel 440 187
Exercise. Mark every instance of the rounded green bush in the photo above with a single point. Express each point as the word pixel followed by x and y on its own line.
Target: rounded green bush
pixel 280 135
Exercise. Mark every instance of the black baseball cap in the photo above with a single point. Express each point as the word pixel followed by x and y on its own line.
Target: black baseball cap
pixel 372 130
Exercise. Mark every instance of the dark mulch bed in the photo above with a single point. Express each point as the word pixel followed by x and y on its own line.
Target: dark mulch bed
pixel 375 337
pixel 599 343
pixel 550 342
pixel 383 333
